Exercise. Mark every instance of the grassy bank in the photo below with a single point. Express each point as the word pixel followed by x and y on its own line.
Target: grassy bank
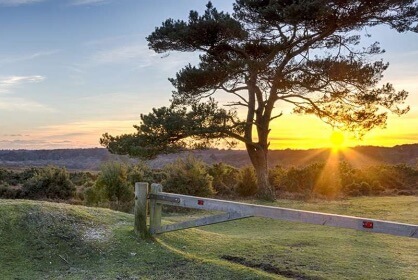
pixel 40 240
pixel 302 251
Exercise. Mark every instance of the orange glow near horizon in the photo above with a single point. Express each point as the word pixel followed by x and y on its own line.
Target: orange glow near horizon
pixel 357 158
pixel 288 132
pixel 308 132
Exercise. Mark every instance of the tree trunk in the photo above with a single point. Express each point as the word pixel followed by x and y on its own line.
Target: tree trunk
pixel 260 118
pixel 258 158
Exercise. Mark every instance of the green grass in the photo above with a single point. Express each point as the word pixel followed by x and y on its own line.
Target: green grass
pixel 40 240
pixel 309 251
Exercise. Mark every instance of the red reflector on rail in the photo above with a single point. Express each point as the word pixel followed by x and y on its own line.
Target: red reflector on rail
pixel 200 202
pixel 367 224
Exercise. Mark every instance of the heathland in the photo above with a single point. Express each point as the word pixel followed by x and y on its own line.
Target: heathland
pixel 41 239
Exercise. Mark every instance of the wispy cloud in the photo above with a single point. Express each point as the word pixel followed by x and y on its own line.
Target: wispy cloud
pixel 9 82
pixel 137 53
pixel 24 57
pixel 88 127
pixel 84 134
pixel 13 103
pixel 15 135
pixel 88 2
pixel 32 144
pixel 111 40
pixel 139 56
pixel 14 3
pixel 11 3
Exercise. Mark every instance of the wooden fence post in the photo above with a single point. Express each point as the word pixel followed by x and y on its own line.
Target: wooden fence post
pixel 141 199
pixel 155 209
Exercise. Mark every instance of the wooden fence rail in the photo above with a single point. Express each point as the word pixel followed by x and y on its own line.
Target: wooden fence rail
pixel 237 210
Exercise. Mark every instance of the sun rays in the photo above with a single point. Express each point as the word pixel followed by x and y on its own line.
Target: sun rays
pixel 329 181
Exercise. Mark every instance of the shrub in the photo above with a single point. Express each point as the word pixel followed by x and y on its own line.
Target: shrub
pixel 247 184
pixel 9 177
pixel 82 178
pixel 112 188
pixel 49 182
pixel 328 184
pixel 376 188
pixel 358 189
pixel 92 196
pixel 364 188
pixel 9 192
pixel 140 173
pixel 158 176
pixel 29 173
pixel 301 180
pixel 112 182
pixel 352 189
pixel 3 174
pixel 276 176
pixel 381 179
pixel 225 178
pixel 188 176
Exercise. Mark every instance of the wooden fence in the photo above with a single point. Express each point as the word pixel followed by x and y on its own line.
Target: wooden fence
pixel 237 210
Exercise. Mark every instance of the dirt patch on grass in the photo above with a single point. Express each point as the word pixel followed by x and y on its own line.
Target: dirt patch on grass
pixel 267 267
pixel 96 234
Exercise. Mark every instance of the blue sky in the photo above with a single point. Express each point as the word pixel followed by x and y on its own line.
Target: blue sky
pixel 71 70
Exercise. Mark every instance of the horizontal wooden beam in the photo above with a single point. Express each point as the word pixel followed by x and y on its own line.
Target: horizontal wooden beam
pixel 214 219
pixel 287 214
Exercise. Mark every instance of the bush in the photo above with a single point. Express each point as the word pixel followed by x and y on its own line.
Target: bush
pixel 381 179
pixel 276 176
pixel 29 173
pixel 358 189
pixel 247 184
pixel 310 181
pixel 376 188
pixel 82 178
pixel 301 180
pixel 225 178
pixel 112 188
pixel 91 196
pixel 140 173
pixel 49 182
pixel 112 182
pixel 9 177
pixel 9 192
pixel 188 176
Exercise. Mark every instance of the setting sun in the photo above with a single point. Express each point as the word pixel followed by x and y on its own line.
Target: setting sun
pixel 337 140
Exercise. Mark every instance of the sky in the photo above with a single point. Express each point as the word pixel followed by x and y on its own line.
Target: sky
pixel 71 70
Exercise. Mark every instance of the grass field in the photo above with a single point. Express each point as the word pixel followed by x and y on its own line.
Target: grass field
pixel 40 240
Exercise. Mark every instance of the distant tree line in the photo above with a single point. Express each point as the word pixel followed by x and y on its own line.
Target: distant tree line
pixel 91 159
pixel 113 186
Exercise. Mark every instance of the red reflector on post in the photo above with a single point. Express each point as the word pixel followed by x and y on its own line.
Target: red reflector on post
pixel 200 202
pixel 367 224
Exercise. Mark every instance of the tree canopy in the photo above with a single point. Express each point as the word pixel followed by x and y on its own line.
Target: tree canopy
pixel 305 53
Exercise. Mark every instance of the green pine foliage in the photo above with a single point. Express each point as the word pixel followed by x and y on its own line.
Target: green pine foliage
pixel 268 55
